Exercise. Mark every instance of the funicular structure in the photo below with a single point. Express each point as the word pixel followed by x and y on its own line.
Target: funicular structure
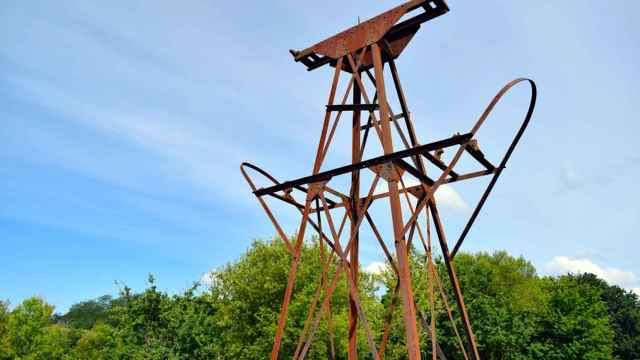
pixel 362 52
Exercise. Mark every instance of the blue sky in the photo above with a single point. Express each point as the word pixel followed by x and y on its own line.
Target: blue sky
pixel 123 126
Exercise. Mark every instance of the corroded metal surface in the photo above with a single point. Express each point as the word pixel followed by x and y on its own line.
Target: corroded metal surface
pixel 384 26
pixel 371 45
pixel 361 35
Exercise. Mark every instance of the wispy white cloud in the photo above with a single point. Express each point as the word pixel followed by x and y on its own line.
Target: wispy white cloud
pixel 563 264
pixel 186 151
pixel 150 93
pixel 450 198
pixel 375 267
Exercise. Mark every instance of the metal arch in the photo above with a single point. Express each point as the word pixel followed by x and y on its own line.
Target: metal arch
pixel 507 155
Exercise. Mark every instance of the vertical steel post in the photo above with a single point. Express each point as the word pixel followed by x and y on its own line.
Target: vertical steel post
pixel 453 278
pixel 355 210
pixel 284 310
pixel 404 276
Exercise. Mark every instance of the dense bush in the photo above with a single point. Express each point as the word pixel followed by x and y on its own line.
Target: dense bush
pixel 516 314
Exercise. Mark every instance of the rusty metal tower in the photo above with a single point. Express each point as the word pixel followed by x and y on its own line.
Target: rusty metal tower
pixel 362 53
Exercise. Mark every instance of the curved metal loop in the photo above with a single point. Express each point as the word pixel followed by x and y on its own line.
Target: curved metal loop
pixel 487 111
pixel 258 170
pixel 290 200
pixel 507 155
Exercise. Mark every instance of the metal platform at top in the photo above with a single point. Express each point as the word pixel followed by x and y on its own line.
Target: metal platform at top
pixel 384 28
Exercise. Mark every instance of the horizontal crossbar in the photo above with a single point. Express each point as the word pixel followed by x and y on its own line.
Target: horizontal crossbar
pixel 479 156
pixel 326 175
pixel 353 107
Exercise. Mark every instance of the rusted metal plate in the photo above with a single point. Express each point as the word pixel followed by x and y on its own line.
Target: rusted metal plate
pixel 396 46
pixel 315 189
pixel 363 34
pixel 388 171
pixel 372 31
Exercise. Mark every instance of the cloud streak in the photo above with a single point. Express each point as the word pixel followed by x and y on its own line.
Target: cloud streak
pixel 187 151
pixel 563 265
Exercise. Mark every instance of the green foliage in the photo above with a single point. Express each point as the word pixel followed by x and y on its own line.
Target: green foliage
pixel 623 308
pixel 30 334
pixel 154 325
pixel 85 314
pixel 99 343
pixel 250 292
pixel 5 346
pixel 504 301
pixel 26 326
pixel 515 314
pixel 575 325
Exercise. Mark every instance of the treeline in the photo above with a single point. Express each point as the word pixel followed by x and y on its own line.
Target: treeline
pixel 516 314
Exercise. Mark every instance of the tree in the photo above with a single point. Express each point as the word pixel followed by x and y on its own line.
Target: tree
pixel 575 324
pixel 250 291
pixel 515 314
pixel 142 326
pixel 4 338
pixel 85 314
pixel 624 311
pixel 98 343
pixel 26 326
pixel 504 299
pixel 56 342
pixel 30 333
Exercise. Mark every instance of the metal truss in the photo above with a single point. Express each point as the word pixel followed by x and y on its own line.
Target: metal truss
pixel 365 47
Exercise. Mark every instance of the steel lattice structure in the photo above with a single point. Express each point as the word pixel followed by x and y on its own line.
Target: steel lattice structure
pixel 362 52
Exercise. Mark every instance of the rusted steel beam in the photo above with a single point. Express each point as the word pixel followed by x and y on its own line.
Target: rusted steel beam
pixel 418 190
pixel 267 210
pixel 411 331
pixel 344 100
pixel 456 157
pixel 369 125
pixel 353 107
pixel 437 350
pixel 284 310
pixel 440 164
pixel 326 261
pixel 353 290
pixel 505 159
pixel 453 277
pixel 447 307
pixel 354 196
pixel 325 124
pixel 479 157
pixel 325 175
pixel 342 255
pixel 303 344
pixel 363 90
pixel 413 171
pixel 358 50
pixel 384 26
pixel 393 117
